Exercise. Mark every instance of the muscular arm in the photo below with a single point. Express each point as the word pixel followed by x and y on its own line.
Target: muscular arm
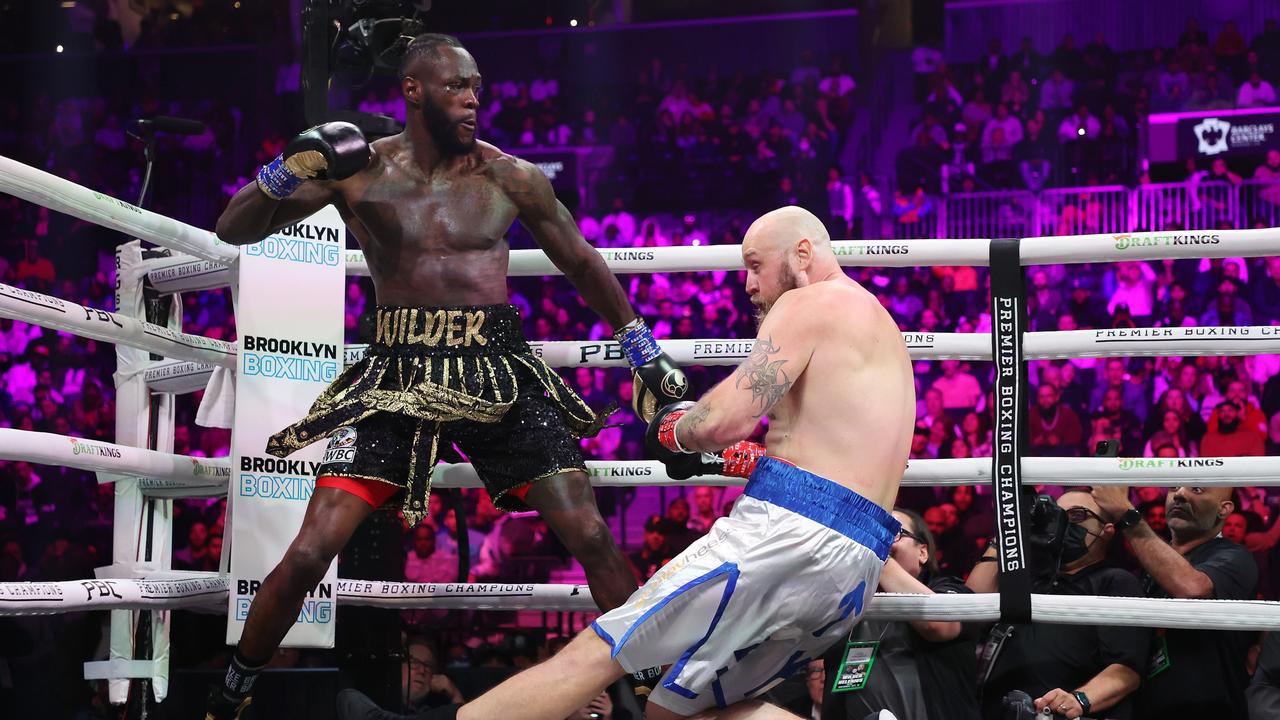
pixel 252 215
pixel 894 578
pixel 734 407
pixel 557 234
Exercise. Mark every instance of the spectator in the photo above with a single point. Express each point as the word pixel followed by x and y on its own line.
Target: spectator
pixel 1115 377
pixel 654 552
pixel 193 556
pixel 1055 429
pixel 839 205
pixel 1125 424
pixel 922 669
pixel 1198 673
pixel 446 541
pixel 422 683
pixel 679 536
pixel 1081 670
pixel 1231 438
pixel 1056 93
pixel 425 563
pixel 959 389
pixel 1174 400
pixel 705 509
pixel 1250 416
pixel 1255 92
pixel 1079 126
pixel 1011 126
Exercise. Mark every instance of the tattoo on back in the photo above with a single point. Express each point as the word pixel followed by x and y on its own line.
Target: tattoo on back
pixel 764 376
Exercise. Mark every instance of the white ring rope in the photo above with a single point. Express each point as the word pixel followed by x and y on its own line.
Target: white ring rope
pixel 184 475
pixel 210 591
pixel 177 376
pixel 1162 245
pixel 183 273
pixel 42 188
pixel 1058 344
pixel 47 598
pixel 51 312
pixel 161 474
pixel 55 193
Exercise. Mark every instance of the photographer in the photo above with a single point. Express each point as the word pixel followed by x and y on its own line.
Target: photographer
pixel 1074 670
pixel 1191 673
pixel 922 670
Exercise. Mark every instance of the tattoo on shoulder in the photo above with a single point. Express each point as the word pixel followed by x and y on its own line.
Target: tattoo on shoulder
pixel 764 376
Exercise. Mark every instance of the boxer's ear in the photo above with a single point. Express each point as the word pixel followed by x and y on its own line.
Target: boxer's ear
pixel 412 89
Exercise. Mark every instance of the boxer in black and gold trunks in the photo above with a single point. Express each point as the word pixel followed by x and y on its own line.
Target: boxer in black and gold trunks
pixel 430 208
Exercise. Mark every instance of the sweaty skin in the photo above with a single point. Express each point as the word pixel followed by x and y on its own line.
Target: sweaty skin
pixel 432 225
pixel 430 211
pixel 829 369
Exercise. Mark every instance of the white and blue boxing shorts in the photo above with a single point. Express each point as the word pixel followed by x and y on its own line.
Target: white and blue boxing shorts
pixel 765 591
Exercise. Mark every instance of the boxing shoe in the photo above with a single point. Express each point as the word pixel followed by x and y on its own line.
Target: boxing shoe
pixel 220 707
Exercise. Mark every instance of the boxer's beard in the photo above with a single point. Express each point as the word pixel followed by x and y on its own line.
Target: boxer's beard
pixel 443 131
pixel 786 281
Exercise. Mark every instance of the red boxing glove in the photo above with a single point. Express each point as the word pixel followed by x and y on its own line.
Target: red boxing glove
pixel 667 427
pixel 740 458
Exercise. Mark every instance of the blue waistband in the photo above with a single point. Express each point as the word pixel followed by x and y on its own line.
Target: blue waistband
pixel 824 502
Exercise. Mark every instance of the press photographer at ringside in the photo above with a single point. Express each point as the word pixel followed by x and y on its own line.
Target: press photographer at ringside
pixel 1073 670
pixel 919 669
pixel 1191 673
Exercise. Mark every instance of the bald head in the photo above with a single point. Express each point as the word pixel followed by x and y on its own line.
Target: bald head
pixel 785 249
pixel 1197 512
pixel 784 227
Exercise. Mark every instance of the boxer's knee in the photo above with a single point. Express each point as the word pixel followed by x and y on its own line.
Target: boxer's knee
pixel 591 542
pixel 305 563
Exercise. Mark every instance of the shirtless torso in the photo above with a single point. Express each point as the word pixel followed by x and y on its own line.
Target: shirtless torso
pixel 849 415
pixel 432 235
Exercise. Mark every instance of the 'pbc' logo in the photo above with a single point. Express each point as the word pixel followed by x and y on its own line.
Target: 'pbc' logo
pixel 1212 134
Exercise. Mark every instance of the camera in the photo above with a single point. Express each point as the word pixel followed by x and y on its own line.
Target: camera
pixel 1046 530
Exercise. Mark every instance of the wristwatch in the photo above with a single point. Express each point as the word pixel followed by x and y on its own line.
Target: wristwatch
pixel 1130 518
pixel 1079 694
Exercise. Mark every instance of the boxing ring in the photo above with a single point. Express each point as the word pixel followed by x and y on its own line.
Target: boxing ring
pixel 140 584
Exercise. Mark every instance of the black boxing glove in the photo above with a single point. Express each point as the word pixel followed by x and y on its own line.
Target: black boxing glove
pixel 656 380
pixel 660 440
pixel 332 151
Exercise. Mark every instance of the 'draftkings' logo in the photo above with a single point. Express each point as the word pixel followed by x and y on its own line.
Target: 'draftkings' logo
pixel 1212 134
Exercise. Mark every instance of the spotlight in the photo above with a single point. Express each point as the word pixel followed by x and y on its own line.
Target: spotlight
pixel 573 22
pixel 58 49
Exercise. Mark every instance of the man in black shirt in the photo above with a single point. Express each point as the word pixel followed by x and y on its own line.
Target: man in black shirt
pixel 655 552
pixel 1074 670
pixel 1192 673
pixel 1264 689
pixel 922 670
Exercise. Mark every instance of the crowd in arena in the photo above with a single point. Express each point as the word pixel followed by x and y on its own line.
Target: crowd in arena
pixel 1015 119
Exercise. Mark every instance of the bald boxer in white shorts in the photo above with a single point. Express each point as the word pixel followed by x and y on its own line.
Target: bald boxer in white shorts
pixel 792 568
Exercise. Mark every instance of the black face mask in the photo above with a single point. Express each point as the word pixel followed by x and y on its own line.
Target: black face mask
pixel 1075 544
pixel 1228 427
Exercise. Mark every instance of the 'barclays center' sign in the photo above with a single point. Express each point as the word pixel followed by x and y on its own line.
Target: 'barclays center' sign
pixel 1223 133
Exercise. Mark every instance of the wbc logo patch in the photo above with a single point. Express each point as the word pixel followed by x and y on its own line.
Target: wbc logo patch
pixel 341 448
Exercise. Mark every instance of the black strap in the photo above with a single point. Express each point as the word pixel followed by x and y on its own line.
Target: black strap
pixel 1009 432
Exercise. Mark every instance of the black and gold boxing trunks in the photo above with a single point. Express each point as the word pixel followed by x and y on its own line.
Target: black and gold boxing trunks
pixel 464 376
